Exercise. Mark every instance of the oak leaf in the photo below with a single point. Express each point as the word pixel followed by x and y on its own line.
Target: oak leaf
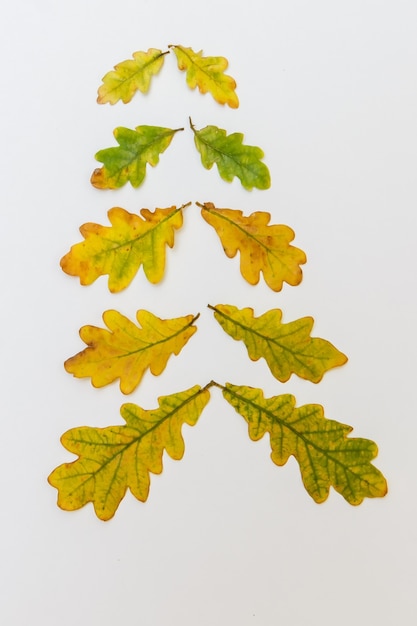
pixel 287 348
pixel 120 249
pixel 326 456
pixel 127 162
pixel 207 73
pixel 263 248
pixel 232 157
pixel 116 458
pixel 130 76
pixel 126 351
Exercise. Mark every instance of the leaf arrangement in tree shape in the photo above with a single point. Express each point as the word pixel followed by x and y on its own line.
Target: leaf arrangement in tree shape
pixel 116 458
pixel 263 248
pixel 287 348
pixel 127 162
pixel 120 249
pixel 326 456
pixel 125 351
pixel 232 157
pixel 207 73
pixel 131 76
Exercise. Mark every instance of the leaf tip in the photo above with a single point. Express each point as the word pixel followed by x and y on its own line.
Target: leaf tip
pixel 98 179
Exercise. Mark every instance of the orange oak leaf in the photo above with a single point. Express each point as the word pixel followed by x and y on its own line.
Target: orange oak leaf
pixel 263 248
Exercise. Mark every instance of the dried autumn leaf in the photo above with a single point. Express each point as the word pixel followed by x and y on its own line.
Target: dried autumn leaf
pixel 262 248
pixel 120 249
pixel 127 162
pixel 232 157
pixel 114 459
pixel 287 348
pixel 126 351
pixel 327 457
pixel 130 76
pixel 207 73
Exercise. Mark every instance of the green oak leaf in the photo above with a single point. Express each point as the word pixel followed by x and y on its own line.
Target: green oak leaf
pixel 326 455
pixel 287 348
pixel 232 157
pixel 127 162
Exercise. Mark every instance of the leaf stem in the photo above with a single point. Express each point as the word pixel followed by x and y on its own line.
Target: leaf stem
pixel 192 125
pixel 195 318
pixel 213 383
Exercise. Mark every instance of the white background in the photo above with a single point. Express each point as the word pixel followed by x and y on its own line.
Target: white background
pixel 328 90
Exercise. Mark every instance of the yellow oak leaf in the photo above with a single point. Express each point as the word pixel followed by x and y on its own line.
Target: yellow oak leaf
pixel 116 458
pixel 126 351
pixel 326 456
pixel 207 73
pixel 263 248
pixel 130 76
pixel 287 348
pixel 120 249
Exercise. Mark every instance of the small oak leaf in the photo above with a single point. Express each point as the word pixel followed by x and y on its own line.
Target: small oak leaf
pixel 287 348
pixel 125 351
pixel 117 458
pixel 263 248
pixel 207 73
pixel 130 76
pixel 127 162
pixel 326 455
pixel 120 249
pixel 232 157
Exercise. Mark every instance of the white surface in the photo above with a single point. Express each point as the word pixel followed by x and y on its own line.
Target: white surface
pixel 328 90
